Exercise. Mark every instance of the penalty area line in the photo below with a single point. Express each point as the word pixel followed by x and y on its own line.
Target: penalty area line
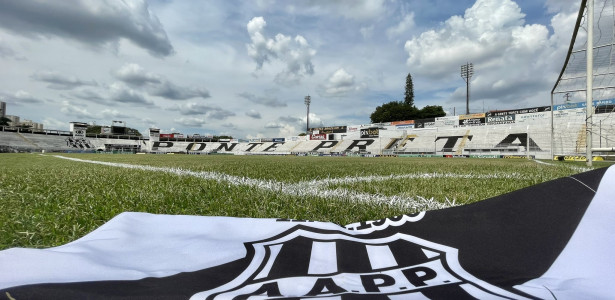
pixel 302 189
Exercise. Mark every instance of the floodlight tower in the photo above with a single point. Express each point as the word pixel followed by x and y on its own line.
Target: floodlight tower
pixel 307 102
pixel 467 71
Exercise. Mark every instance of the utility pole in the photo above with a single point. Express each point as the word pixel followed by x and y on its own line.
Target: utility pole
pixel 467 71
pixel 590 81
pixel 307 102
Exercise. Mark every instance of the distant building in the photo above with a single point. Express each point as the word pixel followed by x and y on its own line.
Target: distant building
pixel 31 124
pixel 2 109
pixel 14 120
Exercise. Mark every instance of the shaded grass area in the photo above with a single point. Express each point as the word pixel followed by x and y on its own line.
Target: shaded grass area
pixel 46 201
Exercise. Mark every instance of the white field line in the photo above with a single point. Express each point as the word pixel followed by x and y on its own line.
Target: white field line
pixel 575 168
pixel 316 187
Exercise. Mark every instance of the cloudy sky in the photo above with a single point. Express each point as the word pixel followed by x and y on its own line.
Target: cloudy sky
pixel 243 68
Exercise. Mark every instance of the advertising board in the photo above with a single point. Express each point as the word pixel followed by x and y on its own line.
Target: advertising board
pixel 472 116
pixel 332 129
pixel 533 117
pixel 425 123
pixel 472 121
pixel 447 121
pixel 501 119
pixel 518 111
pixel 166 135
pixel 402 122
pixel 367 133
pixel 279 140
pixel 318 137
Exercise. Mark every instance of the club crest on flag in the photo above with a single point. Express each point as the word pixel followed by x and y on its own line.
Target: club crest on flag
pixel 310 263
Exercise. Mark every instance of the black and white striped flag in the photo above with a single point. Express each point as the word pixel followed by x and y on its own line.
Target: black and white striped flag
pixel 551 241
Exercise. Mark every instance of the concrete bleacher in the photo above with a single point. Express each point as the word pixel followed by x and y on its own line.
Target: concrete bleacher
pixel 530 135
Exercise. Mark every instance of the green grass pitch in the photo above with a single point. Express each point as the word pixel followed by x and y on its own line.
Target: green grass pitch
pixel 48 200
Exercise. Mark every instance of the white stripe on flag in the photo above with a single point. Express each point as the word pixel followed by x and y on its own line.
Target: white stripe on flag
pixel 478 293
pixel 275 250
pixel 323 259
pixel 380 257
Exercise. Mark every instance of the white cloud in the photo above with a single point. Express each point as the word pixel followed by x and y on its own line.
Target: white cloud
pixel 402 27
pixel 95 23
pixel 157 85
pixel 295 53
pixel 268 100
pixel 253 114
pixel 122 93
pixel 135 75
pixel 53 123
pixel 59 81
pixel 210 112
pixel 508 55
pixel 75 110
pixel 359 10
pixel 21 97
pixel 340 84
pixel 113 114
pixel 190 121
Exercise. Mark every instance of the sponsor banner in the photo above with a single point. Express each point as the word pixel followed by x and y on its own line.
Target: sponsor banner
pixel 605 109
pixel 105 130
pixel 318 137
pixel 179 136
pixel 255 140
pixel 518 111
pixel 354 128
pixel 332 129
pixel 402 122
pixel 517 156
pixel 266 140
pixel 167 135
pixel 472 116
pixel 502 119
pixel 279 140
pixel 555 245
pixel 407 126
pixel 523 118
pixel 472 122
pixel 485 156
pixel 573 112
pixel 425 123
pixel 584 104
pixel 577 158
pixel 419 155
pixel 367 133
pixel 224 140
pixel 569 106
pixel 447 121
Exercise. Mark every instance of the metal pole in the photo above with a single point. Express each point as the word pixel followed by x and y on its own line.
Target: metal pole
pixel 590 78
pixel 467 91
pixel 307 102
pixel 552 130
pixel 527 142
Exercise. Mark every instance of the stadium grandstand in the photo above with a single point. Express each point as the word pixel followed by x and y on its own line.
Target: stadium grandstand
pixel 517 133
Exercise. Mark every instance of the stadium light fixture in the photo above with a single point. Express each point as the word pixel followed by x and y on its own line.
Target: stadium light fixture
pixel 307 102
pixel 467 71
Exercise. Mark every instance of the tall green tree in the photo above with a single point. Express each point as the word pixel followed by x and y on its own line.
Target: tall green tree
pixel 432 111
pixel 5 121
pixel 409 95
pixel 394 111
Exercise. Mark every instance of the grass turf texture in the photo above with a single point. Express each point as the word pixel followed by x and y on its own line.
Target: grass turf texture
pixel 48 201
